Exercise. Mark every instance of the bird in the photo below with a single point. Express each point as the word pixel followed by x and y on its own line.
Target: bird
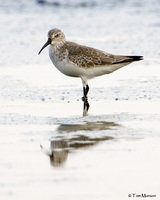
pixel 81 61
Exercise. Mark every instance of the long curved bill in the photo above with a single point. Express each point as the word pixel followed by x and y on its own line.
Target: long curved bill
pixel 46 44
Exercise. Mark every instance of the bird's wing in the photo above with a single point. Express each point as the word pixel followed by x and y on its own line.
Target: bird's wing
pixel 89 57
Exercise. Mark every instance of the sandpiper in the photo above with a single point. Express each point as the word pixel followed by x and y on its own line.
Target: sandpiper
pixel 81 61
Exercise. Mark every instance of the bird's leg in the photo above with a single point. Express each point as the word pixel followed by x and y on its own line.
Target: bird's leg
pixel 85 98
pixel 85 92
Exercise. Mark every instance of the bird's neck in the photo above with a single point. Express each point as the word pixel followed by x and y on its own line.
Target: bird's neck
pixel 58 51
pixel 58 46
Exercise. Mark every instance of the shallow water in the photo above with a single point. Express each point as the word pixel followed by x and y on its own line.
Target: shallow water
pixel 50 147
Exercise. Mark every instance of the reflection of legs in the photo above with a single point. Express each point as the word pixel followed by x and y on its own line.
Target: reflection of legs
pixel 86 106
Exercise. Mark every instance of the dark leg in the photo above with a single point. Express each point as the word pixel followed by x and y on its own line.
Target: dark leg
pixel 85 91
pixel 85 99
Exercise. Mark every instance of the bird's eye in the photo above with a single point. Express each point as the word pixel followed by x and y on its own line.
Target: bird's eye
pixel 56 35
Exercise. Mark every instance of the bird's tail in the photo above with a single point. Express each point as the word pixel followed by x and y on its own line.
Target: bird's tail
pixel 135 58
pixel 128 59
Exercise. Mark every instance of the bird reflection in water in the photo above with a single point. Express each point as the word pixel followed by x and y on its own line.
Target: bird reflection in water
pixel 85 107
pixel 59 152
pixel 64 143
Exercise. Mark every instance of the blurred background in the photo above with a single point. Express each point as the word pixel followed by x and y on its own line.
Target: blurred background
pixel 120 27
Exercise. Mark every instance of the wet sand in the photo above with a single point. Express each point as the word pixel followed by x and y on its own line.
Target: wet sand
pixel 53 149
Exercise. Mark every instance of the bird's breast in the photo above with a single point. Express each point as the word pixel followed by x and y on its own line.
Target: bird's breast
pixel 62 63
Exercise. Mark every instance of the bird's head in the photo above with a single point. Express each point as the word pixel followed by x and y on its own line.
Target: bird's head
pixel 55 38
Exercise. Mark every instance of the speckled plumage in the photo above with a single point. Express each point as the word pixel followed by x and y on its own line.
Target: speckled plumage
pixel 86 56
pixel 83 56
pixel 81 61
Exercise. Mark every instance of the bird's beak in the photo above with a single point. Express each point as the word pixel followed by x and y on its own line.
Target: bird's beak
pixel 46 44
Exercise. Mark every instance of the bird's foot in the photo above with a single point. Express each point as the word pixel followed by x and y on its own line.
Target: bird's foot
pixel 85 99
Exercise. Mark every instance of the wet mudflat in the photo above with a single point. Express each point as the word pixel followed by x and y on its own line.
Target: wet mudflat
pixel 51 147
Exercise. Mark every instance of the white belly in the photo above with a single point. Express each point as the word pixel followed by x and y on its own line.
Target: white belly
pixel 70 69
pixel 67 68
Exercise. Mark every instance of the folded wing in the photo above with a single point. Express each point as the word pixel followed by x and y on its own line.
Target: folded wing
pixel 89 57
